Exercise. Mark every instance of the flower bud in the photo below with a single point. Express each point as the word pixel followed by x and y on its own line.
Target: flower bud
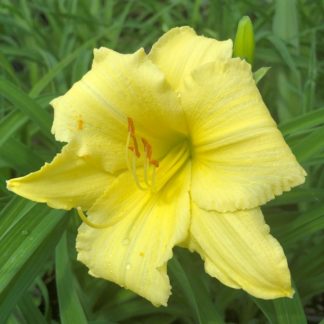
pixel 244 40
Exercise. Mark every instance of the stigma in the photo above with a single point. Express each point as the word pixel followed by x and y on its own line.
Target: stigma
pixel 134 158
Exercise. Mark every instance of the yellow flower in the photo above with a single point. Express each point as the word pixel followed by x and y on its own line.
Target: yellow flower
pixel 171 148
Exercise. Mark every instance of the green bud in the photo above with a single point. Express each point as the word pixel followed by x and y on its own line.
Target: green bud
pixel 244 40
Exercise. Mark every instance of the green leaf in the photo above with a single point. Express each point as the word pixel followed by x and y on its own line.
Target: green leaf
pixel 285 21
pixel 47 78
pixel 123 311
pixel 306 224
pixel 19 156
pixel 260 73
pixel 284 53
pixel 282 310
pixel 71 310
pixel 10 125
pixel 4 62
pixel 29 311
pixel 193 289
pixel 28 235
pixel 27 106
pixel 297 195
pixel 310 145
pixel 303 122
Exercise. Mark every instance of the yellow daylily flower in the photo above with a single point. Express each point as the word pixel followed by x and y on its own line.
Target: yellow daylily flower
pixel 171 148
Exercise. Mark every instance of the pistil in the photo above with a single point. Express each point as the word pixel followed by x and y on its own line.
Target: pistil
pixel 88 222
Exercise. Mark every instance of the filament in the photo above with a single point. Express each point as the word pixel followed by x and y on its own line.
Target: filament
pixel 146 166
pixel 127 151
pixel 134 173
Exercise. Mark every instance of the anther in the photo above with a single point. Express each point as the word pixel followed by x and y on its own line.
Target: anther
pixel 89 223
pixel 131 127
pixel 149 162
pixel 134 148
pixel 131 135
pixel 148 150
pixel 155 163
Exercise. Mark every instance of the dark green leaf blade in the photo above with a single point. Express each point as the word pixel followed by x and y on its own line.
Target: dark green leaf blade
pixel 24 248
pixel 71 310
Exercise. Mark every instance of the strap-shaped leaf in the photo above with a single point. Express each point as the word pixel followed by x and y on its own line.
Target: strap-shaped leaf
pixel 283 310
pixel 28 236
pixel 71 310
pixel 191 284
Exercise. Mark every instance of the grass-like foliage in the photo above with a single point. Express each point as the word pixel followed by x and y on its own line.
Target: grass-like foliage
pixel 45 46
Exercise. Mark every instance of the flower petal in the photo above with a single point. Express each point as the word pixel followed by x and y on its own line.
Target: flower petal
pixel 95 111
pixel 67 182
pixel 179 51
pixel 133 252
pixel 240 159
pixel 239 251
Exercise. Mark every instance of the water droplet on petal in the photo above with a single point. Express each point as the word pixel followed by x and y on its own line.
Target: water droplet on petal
pixel 128 266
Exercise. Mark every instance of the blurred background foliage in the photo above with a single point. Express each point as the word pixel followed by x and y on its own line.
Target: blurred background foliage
pixel 45 46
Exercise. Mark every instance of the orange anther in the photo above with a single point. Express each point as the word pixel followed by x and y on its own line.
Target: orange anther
pixel 136 150
pixel 134 147
pixel 145 142
pixel 155 163
pixel 131 126
pixel 131 129
pixel 148 149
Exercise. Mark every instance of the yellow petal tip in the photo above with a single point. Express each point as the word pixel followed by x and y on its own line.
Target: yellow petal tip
pixel 11 184
pixel 289 293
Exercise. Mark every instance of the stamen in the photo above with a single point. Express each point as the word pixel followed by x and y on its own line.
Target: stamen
pixel 155 163
pixel 131 127
pixel 134 173
pixel 132 165
pixel 133 148
pixel 127 152
pixel 148 150
pixel 148 163
pixel 131 134
pixel 89 223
